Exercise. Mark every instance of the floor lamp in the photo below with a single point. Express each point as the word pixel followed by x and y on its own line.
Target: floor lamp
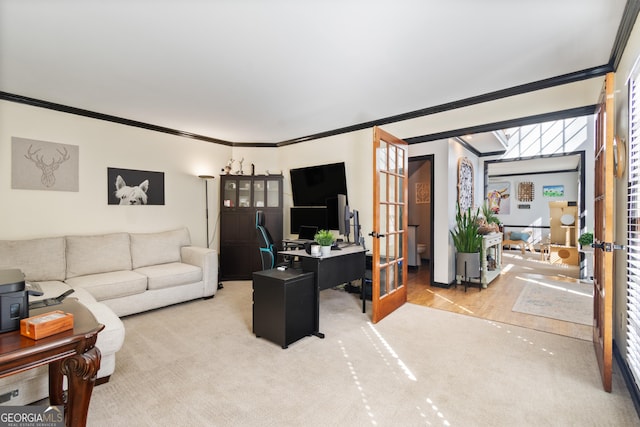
pixel 206 200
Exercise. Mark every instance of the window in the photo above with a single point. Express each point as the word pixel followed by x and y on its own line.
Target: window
pixel 560 136
pixel 633 230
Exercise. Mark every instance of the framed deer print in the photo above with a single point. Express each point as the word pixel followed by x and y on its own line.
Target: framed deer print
pixel 465 183
pixel 42 165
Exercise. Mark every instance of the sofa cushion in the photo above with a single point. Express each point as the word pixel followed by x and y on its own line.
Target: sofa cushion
pixel 171 274
pixel 114 284
pixel 97 254
pixel 39 259
pixel 158 248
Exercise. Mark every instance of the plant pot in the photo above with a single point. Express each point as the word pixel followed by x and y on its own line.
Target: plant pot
pixel 468 264
pixel 325 250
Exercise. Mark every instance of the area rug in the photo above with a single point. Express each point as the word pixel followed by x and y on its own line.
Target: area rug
pixel 562 300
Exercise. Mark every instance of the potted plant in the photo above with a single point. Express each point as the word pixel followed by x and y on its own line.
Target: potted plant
pixel 586 269
pixel 490 217
pixel 585 240
pixel 325 239
pixel 468 242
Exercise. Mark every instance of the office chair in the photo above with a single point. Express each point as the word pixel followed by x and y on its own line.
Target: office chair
pixel 268 250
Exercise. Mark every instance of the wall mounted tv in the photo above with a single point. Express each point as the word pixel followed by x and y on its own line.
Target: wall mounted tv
pixel 313 185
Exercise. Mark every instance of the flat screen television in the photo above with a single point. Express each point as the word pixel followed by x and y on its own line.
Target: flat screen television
pixel 313 185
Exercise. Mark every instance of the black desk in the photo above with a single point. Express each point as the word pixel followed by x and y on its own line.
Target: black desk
pixel 341 266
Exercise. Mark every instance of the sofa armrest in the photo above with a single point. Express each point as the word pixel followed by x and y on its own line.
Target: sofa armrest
pixel 207 260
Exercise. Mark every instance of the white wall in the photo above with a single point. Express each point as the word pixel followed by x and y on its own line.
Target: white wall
pixel 35 213
pixel 355 149
pixel 539 213
pixel 103 144
pixel 441 200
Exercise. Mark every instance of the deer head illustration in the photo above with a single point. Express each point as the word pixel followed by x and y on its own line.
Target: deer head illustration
pixel 47 178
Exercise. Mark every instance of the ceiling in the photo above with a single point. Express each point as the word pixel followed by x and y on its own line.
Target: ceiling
pixel 534 165
pixel 256 71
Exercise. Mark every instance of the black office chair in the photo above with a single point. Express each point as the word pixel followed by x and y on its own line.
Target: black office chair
pixel 268 250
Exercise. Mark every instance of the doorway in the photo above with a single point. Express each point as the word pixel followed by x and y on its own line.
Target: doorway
pixel 420 207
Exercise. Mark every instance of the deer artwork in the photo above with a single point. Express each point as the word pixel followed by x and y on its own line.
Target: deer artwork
pixel 47 178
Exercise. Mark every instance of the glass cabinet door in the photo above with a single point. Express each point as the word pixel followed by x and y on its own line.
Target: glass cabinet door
pixel 244 193
pixel 230 197
pixel 273 193
pixel 258 193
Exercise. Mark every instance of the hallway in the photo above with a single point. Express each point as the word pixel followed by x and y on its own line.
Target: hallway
pixel 496 301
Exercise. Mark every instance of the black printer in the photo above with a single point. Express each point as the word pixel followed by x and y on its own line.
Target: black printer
pixel 14 300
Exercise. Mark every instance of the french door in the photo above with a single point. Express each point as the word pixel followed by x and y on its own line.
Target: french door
pixel 603 233
pixel 390 214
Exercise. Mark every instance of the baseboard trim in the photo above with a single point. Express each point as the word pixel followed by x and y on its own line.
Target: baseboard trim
pixel 103 380
pixel 442 285
pixel 634 391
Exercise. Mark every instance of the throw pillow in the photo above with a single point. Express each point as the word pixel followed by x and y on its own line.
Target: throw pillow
pixel 516 235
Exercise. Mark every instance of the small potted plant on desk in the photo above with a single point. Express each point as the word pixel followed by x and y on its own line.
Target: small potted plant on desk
pixel 468 242
pixel 325 239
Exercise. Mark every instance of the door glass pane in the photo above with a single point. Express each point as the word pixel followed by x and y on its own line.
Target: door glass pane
pixel 273 191
pixel 230 194
pixel 383 281
pixel 391 250
pixel 392 218
pixel 382 159
pixel 383 187
pixel 393 164
pixel 400 190
pixel 244 193
pixel 393 182
pixel 392 277
pixel 258 193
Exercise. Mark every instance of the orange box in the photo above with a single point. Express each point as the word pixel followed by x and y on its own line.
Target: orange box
pixel 47 324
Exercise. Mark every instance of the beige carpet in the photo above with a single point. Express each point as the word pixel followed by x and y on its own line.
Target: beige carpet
pixel 198 364
pixel 562 300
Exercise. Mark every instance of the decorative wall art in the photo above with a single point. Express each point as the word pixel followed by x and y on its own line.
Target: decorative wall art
pixel 525 191
pixel 499 197
pixel 423 193
pixel 465 183
pixel 42 165
pixel 134 187
pixel 553 190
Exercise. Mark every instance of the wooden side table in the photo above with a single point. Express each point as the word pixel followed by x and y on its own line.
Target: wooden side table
pixel 70 353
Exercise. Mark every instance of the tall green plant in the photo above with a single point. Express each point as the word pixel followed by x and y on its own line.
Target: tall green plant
pixel 465 234
pixel 489 215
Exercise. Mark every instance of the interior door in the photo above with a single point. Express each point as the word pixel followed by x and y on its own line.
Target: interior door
pixel 390 214
pixel 603 233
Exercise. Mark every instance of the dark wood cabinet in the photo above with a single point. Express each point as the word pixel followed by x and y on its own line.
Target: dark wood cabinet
pixel 241 196
pixel 283 305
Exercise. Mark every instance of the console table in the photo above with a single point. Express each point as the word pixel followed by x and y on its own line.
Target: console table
pixel 491 246
pixel 70 353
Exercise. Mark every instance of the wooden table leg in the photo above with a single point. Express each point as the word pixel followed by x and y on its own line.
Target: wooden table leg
pixel 56 393
pixel 81 371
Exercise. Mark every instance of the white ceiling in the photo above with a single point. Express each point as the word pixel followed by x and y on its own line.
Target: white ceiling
pixel 271 71
pixel 534 166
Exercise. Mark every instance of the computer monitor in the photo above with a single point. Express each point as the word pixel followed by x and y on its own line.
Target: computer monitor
pixel 344 216
pixel 357 234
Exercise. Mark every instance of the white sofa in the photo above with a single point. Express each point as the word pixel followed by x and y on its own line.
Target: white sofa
pixel 114 275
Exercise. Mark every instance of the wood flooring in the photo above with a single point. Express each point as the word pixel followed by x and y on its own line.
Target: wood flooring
pixel 493 303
